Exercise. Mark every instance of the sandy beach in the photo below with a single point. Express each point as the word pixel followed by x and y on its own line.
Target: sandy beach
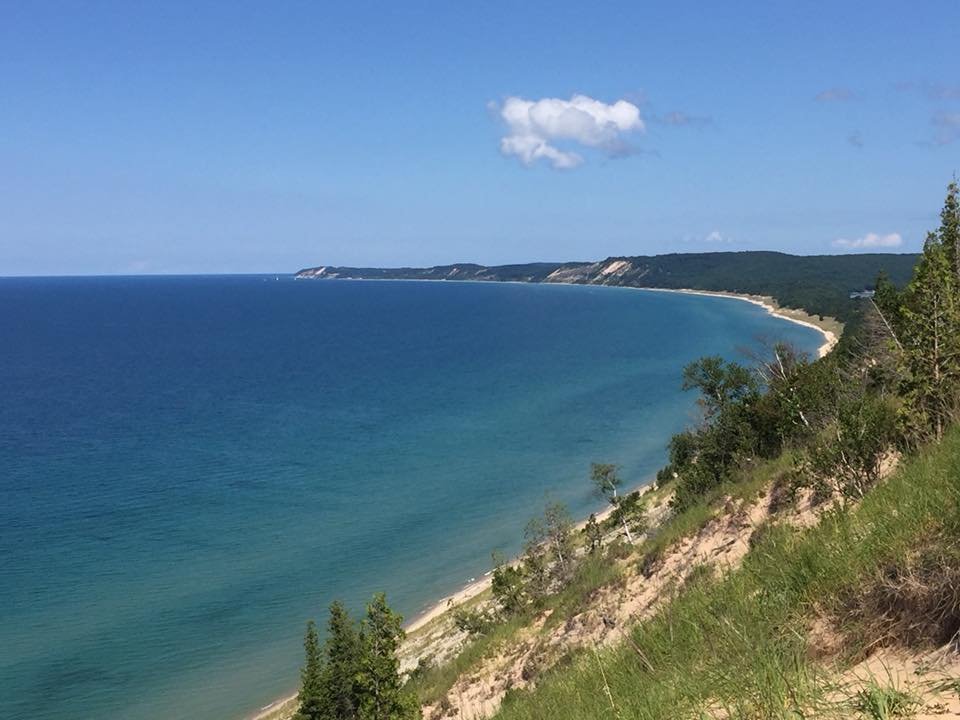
pixel 472 589
pixel 284 707
pixel 829 327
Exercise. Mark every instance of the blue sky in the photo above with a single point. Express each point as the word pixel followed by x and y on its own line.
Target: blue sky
pixel 246 137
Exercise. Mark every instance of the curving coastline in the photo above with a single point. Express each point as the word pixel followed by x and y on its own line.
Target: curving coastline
pixel 284 707
pixel 830 328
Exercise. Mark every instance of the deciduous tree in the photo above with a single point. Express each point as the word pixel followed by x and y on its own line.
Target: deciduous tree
pixel 849 454
pixel 558 524
pixel 720 383
pixel 507 586
pixel 606 481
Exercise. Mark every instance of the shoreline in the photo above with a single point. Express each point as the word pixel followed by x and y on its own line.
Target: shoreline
pixel 830 339
pixel 282 708
pixel 829 328
pixel 476 587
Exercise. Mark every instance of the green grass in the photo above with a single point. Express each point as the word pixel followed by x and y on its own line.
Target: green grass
pixel 432 683
pixel 678 527
pixel 594 572
pixel 737 647
pixel 754 482
pixel 883 703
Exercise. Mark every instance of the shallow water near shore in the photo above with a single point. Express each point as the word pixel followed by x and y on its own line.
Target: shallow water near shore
pixel 194 466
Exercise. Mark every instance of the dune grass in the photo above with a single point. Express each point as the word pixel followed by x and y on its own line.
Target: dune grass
pixel 595 571
pixel 431 683
pixel 738 647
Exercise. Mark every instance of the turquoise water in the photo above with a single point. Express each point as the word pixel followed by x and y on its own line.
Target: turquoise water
pixel 192 467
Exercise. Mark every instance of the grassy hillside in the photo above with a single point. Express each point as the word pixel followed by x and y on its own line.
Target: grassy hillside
pixel 743 646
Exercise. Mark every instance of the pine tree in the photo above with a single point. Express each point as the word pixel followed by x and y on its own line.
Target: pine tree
pixel 594 533
pixel 310 697
pixel 508 586
pixel 887 302
pixel 339 679
pixel 931 341
pixel 380 691
pixel 949 232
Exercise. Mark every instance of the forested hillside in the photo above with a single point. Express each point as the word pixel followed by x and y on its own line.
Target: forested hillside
pixel 819 284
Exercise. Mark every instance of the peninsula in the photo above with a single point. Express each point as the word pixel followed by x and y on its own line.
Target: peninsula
pixel 820 285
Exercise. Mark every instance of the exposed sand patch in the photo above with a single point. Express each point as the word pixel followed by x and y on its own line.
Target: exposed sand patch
pixel 722 543
pixel 931 680
pixel 617 266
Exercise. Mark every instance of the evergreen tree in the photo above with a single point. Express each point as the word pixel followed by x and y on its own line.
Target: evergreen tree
pixel 594 533
pixel 339 679
pixel 507 586
pixel 887 301
pixel 380 691
pixel 311 683
pixel 949 232
pixel 931 342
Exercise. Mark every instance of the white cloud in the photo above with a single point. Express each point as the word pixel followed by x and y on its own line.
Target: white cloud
pixel 715 236
pixel 544 128
pixel 870 240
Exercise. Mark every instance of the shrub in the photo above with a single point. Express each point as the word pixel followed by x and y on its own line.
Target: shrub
pixel 850 452
pixel 914 602
pixel 881 703
pixel 507 587
pixel 472 622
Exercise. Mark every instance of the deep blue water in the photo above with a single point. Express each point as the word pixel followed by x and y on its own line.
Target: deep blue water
pixel 190 467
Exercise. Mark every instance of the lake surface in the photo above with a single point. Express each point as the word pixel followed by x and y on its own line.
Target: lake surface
pixel 191 467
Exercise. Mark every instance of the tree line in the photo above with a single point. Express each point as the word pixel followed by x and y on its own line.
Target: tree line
pixel 894 385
